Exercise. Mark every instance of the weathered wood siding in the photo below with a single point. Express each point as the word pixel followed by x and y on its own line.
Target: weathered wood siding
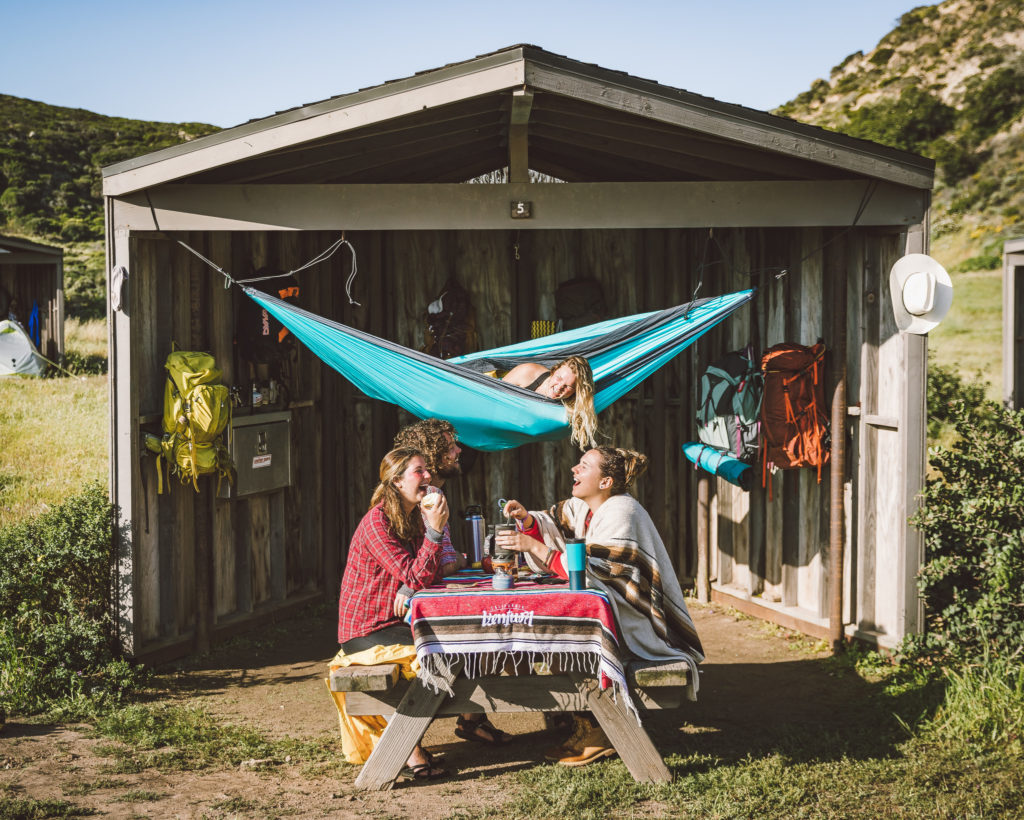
pixel 202 566
pixel 30 284
pixel 776 552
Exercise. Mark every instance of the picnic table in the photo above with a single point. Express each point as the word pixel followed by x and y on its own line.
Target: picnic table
pixel 535 647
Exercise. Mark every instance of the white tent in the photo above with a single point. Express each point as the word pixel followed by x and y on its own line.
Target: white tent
pixel 18 356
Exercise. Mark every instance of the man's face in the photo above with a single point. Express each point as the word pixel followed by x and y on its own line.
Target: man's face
pixel 449 466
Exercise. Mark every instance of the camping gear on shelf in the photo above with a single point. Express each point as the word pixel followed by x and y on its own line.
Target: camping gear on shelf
pixel 794 418
pixel 720 464
pixel 490 414
pixel 18 355
pixel 728 414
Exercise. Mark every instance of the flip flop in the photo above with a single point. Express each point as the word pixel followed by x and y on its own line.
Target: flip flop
pixel 469 730
pixel 428 770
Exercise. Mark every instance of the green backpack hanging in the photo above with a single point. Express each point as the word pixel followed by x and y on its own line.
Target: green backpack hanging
pixel 197 410
pixel 728 414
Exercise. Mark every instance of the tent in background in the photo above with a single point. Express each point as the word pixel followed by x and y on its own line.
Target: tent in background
pixel 18 356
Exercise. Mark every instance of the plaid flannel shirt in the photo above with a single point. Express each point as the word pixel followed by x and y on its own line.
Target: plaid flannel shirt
pixel 378 564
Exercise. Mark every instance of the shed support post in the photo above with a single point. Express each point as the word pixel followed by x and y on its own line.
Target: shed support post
pixel 703 538
pixel 518 141
pixel 838 469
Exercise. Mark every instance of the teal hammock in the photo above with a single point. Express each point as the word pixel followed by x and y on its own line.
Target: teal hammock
pixel 490 414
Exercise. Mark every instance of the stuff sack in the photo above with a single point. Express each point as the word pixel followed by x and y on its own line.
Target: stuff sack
pixel 794 420
pixel 579 302
pixel 450 323
pixel 728 416
pixel 261 338
pixel 197 410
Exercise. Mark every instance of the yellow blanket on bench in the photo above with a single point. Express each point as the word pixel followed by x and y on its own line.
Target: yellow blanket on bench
pixel 360 733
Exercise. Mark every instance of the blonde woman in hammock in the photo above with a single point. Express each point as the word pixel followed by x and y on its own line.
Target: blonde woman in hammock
pixel 571 381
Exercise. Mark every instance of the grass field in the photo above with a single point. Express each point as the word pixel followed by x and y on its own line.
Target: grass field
pixel 53 432
pixel 970 337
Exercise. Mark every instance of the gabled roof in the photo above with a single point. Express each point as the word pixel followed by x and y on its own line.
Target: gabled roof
pixel 583 123
pixel 25 249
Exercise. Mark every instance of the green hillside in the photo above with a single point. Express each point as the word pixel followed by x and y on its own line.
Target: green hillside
pixel 50 160
pixel 51 188
pixel 948 83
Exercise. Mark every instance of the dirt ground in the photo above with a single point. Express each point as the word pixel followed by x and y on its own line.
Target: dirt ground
pixel 756 685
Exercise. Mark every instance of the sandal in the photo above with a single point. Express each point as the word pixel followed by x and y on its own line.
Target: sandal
pixel 471 728
pixel 424 771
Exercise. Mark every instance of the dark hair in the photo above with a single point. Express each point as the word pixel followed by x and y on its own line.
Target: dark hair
pixel 428 438
pixel 622 466
pixel 392 466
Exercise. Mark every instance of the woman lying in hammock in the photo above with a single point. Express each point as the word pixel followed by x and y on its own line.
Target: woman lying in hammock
pixel 572 382
pixel 626 558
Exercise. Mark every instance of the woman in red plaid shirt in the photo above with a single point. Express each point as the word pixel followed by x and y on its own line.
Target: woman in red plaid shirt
pixel 397 543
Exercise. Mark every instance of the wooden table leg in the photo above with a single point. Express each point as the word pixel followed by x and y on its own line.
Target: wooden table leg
pixel 403 732
pixel 629 738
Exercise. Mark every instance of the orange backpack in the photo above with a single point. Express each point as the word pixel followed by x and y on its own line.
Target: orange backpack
pixel 794 419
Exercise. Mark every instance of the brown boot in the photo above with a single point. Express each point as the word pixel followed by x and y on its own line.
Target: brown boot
pixel 570 745
pixel 592 746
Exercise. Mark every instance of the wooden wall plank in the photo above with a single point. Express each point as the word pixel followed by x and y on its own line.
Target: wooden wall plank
pixel 260 254
pixel 811 589
pixel 146 374
pixel 200 316
pixel 222 311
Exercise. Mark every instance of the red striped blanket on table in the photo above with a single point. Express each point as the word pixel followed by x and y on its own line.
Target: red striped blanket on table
pixel 464 619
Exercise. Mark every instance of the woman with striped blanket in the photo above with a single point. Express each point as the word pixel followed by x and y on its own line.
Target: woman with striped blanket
pixel 626 558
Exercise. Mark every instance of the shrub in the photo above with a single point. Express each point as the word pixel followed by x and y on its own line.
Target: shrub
pixel 987 261
pixel 994 102
pixel 912 122
pixel 972 519
pixel 882 56
pixel 56 628
pixel 946 389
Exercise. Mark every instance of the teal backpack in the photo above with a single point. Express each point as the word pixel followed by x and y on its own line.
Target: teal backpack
pixel 728 415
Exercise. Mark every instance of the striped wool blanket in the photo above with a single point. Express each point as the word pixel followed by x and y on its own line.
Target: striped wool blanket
pixel 486 628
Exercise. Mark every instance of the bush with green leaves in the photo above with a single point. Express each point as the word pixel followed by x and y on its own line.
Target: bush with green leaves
pixel 946 390
pixel 913 121
pixel 56 628
pixel 972 519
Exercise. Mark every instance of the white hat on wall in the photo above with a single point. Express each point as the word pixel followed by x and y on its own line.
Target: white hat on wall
pixel 922 293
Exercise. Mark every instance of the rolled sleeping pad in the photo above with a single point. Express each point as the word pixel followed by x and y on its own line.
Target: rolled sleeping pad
pixel 721 464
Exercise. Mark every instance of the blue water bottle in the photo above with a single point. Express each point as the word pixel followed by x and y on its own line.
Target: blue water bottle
pixel 576 561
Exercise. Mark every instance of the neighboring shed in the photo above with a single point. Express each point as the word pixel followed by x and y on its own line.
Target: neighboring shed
pixel 32 281
pixel 1013 323
pixel 663 194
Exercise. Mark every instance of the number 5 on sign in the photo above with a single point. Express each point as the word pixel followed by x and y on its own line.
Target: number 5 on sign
pixel 521 209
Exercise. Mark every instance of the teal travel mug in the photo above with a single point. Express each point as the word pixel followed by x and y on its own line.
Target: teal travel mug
pixel 576 559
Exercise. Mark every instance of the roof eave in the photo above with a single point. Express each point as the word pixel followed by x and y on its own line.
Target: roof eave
pixel 484 75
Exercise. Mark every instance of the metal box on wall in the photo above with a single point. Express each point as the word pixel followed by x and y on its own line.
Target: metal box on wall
pixel 261 451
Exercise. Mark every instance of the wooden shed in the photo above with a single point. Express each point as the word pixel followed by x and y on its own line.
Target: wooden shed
pixel 1013 323
pixel 32 284
pixel 655 192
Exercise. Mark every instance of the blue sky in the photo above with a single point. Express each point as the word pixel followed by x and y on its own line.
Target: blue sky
pixel 225 62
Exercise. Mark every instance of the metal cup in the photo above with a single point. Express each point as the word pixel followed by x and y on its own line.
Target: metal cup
pixel 576 563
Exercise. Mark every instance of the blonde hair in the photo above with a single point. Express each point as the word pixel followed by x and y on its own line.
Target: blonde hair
pixel 392 466
pixel 622 466
pixel 580 408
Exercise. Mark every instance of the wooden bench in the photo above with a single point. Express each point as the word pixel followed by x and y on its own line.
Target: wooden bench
pixel 380 690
